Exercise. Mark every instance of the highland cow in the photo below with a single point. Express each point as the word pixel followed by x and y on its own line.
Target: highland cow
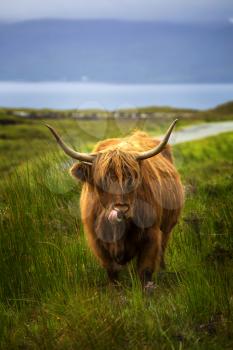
pixel 131 200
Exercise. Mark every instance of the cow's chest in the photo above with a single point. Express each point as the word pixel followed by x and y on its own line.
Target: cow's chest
pixel 125 249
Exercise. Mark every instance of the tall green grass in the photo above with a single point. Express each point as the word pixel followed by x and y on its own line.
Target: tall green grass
pixel 54 295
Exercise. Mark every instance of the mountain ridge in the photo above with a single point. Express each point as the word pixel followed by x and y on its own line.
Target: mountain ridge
pixel 116 51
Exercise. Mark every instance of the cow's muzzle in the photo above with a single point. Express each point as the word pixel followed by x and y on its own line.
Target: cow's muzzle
pixel 118 213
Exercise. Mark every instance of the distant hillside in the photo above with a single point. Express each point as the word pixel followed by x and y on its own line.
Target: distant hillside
pixel 220 112
pixel 116 51
pixel 226 108
pixel 159 113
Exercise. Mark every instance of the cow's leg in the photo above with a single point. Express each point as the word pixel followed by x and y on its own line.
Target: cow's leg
pixel 111 267
pixel 113 275
pixel 104 258
pixel 149 255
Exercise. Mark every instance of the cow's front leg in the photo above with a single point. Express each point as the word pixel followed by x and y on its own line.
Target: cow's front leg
pixel 100 250
pixel 149 256
pixel 113 276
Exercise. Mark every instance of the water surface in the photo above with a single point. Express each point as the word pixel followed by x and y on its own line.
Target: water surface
pixel 69 95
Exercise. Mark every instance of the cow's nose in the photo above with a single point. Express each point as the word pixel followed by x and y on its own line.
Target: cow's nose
pixel 122 207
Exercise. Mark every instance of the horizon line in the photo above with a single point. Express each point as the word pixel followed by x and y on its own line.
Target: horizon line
pixel 112 19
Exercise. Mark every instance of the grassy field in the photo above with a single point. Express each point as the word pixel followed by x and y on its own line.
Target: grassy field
pixel 54 295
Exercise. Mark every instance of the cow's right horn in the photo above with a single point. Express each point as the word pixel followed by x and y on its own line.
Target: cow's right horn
pixel 69 151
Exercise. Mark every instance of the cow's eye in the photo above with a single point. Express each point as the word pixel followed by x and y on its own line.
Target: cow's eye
pixel 129 185
pixel 101 186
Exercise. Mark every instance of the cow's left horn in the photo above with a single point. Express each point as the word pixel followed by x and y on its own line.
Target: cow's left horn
pixel 69 151
pixel 152 152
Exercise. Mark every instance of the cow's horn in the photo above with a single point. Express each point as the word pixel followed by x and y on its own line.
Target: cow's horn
pixel 152 152
pixel 70 152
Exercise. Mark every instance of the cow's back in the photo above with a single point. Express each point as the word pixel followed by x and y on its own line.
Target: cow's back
pixel 137 142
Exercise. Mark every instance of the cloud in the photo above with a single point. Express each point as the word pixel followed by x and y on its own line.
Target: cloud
pixel 177 10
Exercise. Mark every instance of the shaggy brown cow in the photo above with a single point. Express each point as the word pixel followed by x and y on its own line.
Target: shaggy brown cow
pixel 131 200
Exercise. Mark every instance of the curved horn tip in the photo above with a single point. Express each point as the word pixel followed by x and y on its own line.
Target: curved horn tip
pixel 53 131
pixel 156 150
pixel 69 151
pixel 170 129
pixel 174 123
pixel 48 126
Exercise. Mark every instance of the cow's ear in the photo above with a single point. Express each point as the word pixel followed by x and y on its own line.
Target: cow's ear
pixel 82 171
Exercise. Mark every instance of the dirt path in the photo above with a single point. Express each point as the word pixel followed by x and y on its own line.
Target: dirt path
pixel 200 131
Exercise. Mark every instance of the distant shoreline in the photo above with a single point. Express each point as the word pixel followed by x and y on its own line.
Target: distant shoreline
pixel 109 97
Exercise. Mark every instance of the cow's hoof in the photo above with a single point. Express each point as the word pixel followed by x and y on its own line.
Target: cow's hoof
pixel 150 287
pixel 114 285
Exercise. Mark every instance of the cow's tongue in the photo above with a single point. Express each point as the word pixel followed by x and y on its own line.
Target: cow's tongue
pixel 113 216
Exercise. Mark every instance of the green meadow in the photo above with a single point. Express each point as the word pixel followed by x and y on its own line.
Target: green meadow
pixel 53 293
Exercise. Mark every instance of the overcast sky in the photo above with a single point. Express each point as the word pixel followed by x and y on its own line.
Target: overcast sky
pixel 170 10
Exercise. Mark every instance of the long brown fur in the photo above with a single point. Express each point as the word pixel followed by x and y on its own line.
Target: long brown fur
pixel 153 191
